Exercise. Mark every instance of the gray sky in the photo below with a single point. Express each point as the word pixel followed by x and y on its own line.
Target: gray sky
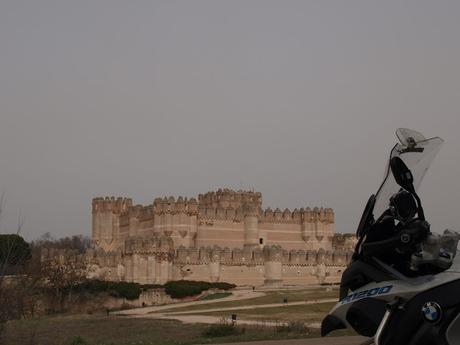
pixel 296 99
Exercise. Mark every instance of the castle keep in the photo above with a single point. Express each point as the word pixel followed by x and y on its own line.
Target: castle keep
pixel 220 236
pixel 224 218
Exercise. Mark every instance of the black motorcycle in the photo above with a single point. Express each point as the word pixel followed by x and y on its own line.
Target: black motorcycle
pixel 402 286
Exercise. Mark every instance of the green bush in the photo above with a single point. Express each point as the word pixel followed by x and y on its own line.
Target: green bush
pixel 14 250
pixel 222 286
pixel 93 286
pixel 187 288
pixel 151 286
pixel 130 291
pixel 127 290
pixel 117 289
pixel 78 341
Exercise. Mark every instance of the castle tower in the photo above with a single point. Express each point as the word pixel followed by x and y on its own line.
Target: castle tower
pixel 308 226
pixel 214 264
pixel 325 227
pixel 318 228
pixel 273 266
pixel 176 219
pixel 106 220
pixel 251 225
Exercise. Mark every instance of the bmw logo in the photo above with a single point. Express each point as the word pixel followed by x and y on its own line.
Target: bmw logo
pixel 432 311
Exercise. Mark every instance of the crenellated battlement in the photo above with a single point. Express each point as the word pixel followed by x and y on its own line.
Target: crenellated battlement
pixel 155 261
pixel 298 216
pixel 229 214
pixel 224 204
pixel 173 206
pixel 274 253
pixel 111 204
pixel 227 198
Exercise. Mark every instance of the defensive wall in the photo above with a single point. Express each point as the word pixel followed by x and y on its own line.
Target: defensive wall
pixel 224 218
pixel 224 235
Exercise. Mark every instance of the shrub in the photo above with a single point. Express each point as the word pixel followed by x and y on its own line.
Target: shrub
pixel 186 288
pixel 78 341
pixel 182 289
pixel 14 250
pixel 130 291
pixel 127 290
pixel 152 286
pixel 223 286
pixel 117 289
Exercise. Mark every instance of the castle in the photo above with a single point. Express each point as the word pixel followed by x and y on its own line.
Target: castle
pixel 221 236
pixel 224 218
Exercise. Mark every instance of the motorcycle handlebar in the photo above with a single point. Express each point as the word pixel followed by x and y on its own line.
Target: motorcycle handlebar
pixel 404 240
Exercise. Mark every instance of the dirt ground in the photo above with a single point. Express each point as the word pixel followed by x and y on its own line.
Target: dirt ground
pixel 261 318
pixel 317 341
pixel 252 308
pixel 116 330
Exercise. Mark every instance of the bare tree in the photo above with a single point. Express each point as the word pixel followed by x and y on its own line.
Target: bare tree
pixel 79 243
pixel 14 253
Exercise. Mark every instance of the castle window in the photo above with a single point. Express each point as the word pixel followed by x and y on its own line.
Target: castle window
pixel 261 240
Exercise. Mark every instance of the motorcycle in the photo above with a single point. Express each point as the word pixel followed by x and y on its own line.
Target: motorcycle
pixel 402 285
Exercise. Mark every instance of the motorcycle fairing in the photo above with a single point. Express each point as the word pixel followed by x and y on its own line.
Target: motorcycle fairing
pixel 413 328
pixel 369 282
pixel 406 289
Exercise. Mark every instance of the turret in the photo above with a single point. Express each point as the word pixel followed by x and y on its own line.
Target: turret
pixel 105 220
pixel 227 198
pixel 176 219
pixel 308 226
pixel 273 266
pixel 251 225
pixel 325 228
pixel 318 228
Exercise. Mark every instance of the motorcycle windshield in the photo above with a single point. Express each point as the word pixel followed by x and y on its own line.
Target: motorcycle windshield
pixel 417 153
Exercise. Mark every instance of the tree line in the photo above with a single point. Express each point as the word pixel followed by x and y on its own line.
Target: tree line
pixel 25 279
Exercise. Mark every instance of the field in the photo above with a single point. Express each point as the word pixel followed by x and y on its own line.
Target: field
pixel 270 297
pixel 103 330
pixel 144 327
pixel 306 313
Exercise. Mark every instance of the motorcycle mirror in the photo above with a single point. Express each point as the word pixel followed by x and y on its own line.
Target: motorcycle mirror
pixel 402 174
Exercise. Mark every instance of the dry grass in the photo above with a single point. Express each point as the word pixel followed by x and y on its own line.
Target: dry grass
pixel 98 330
pixel 102 330
pixel 270 298
pixel 305 312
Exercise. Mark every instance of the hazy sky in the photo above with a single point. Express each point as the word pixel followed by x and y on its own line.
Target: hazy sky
pixel 296 99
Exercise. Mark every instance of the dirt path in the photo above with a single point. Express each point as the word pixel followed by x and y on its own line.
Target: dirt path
pixel 215 319
pixel 249 307
pixel 236 296
pixel 194 316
